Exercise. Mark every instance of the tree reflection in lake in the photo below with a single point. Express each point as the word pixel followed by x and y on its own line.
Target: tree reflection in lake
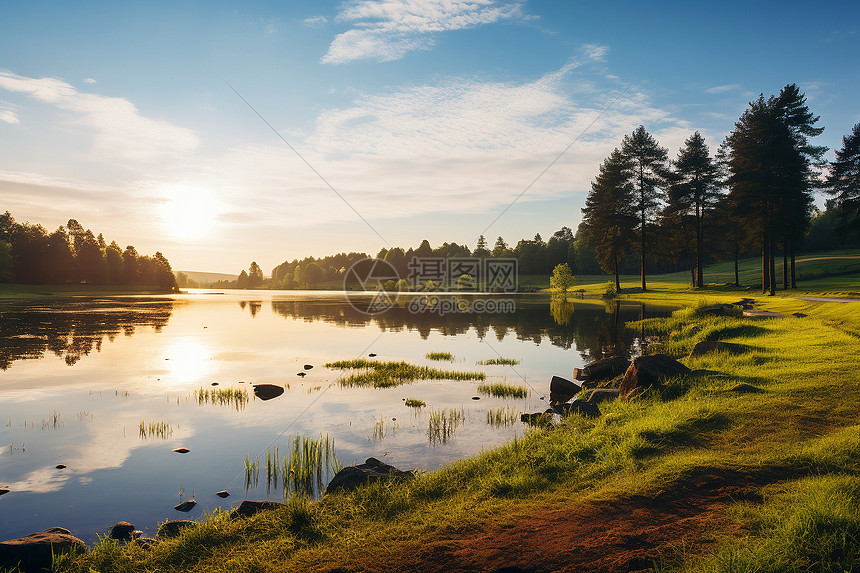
pixel 595 328
pixel 72 329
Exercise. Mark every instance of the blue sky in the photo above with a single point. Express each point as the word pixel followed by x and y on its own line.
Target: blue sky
pixel 427 116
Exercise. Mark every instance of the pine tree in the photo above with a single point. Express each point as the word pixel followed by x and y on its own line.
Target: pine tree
pixel 647 174
pixel 609 217
pixel 843 181
pixel 694 190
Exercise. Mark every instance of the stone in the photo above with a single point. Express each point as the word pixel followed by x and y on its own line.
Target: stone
pixel 267 391
pixel 35 552
pixel 121 530
pixel 302 374
pixel 185 506
pixel 746 389
pixel 223 493
pixel 3 490
pixel 146 543
pixel 372 469
pixel 602 395
pixel 248 508
pixel 602 369
pixel 308 366
pixel 372 355
pixel 174 528
pixel 707 346
pixel 538 418
pixel 563 386
pixel 181 450
pixel 61 466
pixel 588 409
pixel 649 371
pixel 476 397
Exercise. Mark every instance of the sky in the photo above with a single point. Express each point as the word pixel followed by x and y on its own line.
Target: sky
pixel 224 132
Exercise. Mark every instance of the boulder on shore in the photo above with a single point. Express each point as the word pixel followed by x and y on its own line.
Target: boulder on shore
pixel 173 528
pixel 707 346
pixel 649 371
pixel 121 530
pixel 562 390
pixel 249 507
pixel 602 369
pixel 35 552
pixel 372 469
pixel 588 409
pixel 602 395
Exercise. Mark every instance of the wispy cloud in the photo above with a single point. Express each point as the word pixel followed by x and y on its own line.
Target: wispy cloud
pixel 386 30
pixel 118 128
pixel 722 89
pixel 9 116
pixel 315 22
pixel 89 81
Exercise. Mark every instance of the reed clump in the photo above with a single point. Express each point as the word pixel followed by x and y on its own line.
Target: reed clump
pixel 162 430
pixel 499 362
pixel 502 390
pixel 312 462
pixel 502 417
pixel 415 403
pixel 233 397
pixel 439 356
pixel 389 374
pixel 443 425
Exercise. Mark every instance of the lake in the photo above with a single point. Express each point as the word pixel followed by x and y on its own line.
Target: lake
pixel 109 387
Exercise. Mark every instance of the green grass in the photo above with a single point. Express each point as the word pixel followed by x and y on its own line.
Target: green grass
pixel 499 362
pixel 502 417
pixel 415 403
pixel 236 398
pixel 161 430
pixel 794 448
pixel 388 374
pixel 311 463
pixel 501 390
pixel 439 356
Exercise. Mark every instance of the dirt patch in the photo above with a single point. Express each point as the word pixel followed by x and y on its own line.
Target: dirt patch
pixel 623 535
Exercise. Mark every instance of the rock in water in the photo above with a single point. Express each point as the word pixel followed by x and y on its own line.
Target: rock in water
pixel 563 386
pixel 602 369
pixel 372 469
pixel 248 508
pixel 61 466
pixel 648 371
pixel 173 528
pixel 308 366
pixel 302 374
pixel 35 552
pixel 707 346
pixel 181 450
pixel 121 530
pixel 185 506
pixel 267 391
pixel 3 490
pixel 372 355
pixel 223 493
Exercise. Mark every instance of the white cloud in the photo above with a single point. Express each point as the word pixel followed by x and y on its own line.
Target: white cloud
pixel 8 116
pixel 595 52
pixel 89 81
pixel 119 129
pixel 315 22
pixel 722 89
pixel 387 30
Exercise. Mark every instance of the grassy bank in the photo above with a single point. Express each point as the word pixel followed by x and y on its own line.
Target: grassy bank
pixel 695 477
pixel 13 291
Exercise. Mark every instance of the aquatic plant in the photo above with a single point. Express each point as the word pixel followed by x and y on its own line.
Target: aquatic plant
pixel 252 472
pixel 415 403
pixel 499 362
pixel 52 422
pixel 501 417
pixel 161 430
pixel 443 424
pixel 311 463
pixel 382 426
pixel 388 374
pixel 501 390
pixel 439 356
pixel 234 397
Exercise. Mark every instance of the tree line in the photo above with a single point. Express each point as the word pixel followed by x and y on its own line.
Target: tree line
pixel 754 195
pixel 72 254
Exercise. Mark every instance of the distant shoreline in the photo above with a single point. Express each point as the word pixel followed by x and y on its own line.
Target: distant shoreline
pixel 18 291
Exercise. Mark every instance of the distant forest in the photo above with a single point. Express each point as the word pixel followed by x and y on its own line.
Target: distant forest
pixel 72 254
pixel 650 213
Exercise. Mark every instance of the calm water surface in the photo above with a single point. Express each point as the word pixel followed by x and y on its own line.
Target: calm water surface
pixel 80 376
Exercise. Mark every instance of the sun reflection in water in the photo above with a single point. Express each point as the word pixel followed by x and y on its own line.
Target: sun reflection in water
pixel 188 361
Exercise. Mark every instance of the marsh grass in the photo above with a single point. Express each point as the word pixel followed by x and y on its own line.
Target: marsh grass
pixel 439 356
pixel 305 471
pixel 499 362
pixel 383 426
pixel 161 430
pixel 502 417
pixel 389 374
pixel 502 390
pixel 443 424
pixel 415 403
pixel 236 398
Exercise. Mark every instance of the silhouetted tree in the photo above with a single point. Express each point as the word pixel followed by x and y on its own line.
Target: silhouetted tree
pixel 843 182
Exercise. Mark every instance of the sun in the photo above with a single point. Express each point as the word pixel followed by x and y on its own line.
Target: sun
pixel 189 212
